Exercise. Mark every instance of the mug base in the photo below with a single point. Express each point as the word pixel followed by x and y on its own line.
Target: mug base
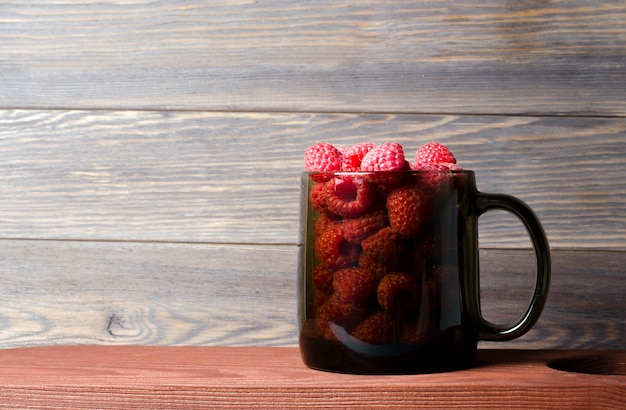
pixel 434 357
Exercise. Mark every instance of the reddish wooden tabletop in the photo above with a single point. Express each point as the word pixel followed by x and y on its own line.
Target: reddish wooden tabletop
pixel 176 377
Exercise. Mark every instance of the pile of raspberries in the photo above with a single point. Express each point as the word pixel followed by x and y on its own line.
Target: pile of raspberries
pixel 378 263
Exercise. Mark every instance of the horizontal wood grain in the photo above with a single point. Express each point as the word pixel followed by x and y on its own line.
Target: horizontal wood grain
pixel 585 305
pixel 234 177
pixel 83 292
pixel 107 377
pixel 134 293
pixel 376 56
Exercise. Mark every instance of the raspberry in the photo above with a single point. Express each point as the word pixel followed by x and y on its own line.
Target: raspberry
pixel 352 156
pixel 435 175
pixel 323 278
pixel 333 250
pixel 433 152
pixel 381 251
pixel 322 157
pixel 354 284
pixel 341 312
pixel 321 297
pixel 323 223
pixel 439 166
pixel 317 197
pixel 398 291
pixel 384 157
pixel 385 182
pixel 421 256
pixel 342 149
pixel 378 269
pixel 321 324
pixel 357 229
pixel 417 333
pixel 377 329
pixel 349 197
pixel 382 244
pixel 406 208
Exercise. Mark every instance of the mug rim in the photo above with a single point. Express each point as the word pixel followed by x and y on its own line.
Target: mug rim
pixel 404 171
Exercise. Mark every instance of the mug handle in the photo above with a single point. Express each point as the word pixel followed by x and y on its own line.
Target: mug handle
pixel 495 332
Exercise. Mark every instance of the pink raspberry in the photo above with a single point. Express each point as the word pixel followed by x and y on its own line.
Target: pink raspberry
pixel 322 157
pixel 384 157
pixel 433 152
pixel 352 156
pixel 439 166
pixel 437 174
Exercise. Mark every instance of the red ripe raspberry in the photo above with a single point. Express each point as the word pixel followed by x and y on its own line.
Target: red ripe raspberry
pixel 317 197
pixel 323 223
pixel 352 156
pixel 377 329
pixel 354 284
pixel 406 207
pixel 323 278
pixel 378 269
pixel 341 312
pixel 398 291
pixel 322 157
pixel 321 297
pixel 384 157
pixel 333 250
pixel 418 333
pixel 433 152
pixel 357 229
pixel 349 197
pixel 321 324
pixel 381 252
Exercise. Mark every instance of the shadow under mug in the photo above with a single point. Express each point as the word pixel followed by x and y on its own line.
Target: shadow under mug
pixel 388 275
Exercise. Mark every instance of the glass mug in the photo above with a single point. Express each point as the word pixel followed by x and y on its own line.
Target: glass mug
pixel 388 275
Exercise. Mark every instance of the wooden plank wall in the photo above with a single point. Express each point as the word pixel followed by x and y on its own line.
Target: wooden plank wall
pixel 150 155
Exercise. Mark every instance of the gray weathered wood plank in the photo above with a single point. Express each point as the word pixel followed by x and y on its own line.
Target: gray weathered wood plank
pixel 68 292
pixel 377 56
pixel 57 292
pixel 234 177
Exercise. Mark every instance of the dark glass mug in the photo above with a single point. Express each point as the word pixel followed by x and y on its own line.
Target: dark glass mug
pixel 388 275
